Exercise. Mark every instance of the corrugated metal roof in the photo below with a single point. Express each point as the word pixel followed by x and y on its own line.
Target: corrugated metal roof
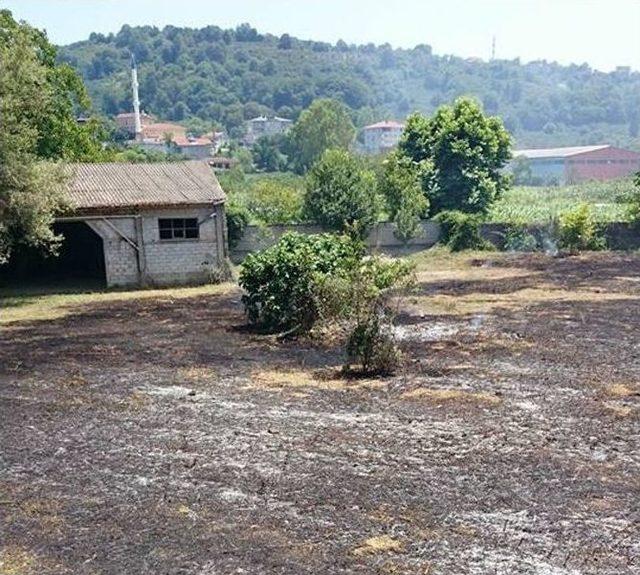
pixel 118 185
pixel 558 152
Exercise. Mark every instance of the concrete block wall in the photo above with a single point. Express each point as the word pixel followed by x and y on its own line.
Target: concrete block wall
pixel 121 263
pixel 619 235
pixel 164 261
pixel 381 238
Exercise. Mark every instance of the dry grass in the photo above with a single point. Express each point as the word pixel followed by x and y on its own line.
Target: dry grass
pixel 301 379
pixel 16 561
pixel 620 390
pixel 379 544
pixel 444 304
pixel 22 308
pixel 196 374
pixel 452 395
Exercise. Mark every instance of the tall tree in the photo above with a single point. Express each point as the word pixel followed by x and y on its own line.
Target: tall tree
pixel 37 103
pixel 325 124
pixel 462 152
pixel 341 194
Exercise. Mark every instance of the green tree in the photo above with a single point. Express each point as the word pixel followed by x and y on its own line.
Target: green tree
pixel 465 151
pixel 266 154
pixel 400 184
pixel 31 192
pixel 58 134
pixel 340 194
pixel 325 124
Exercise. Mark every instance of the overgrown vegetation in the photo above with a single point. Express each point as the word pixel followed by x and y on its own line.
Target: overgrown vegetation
pixel 609 202
pixel 279 282
pixel 578 230
pixel 461 231
pixel 38 102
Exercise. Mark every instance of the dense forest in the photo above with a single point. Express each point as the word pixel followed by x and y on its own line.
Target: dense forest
pixel 214 76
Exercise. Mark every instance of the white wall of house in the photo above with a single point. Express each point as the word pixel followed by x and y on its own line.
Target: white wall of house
pixel 161 262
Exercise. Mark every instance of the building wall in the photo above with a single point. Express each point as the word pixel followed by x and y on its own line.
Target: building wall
pixel 161 262
pixel 381 238
pixel 379 139
pixel 548 170
pixel 602 165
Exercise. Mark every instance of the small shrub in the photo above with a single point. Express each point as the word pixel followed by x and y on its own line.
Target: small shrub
pixel 578 230
pixel 237 221
pixel 371 345
pixel 280 282
pixel 357 302
pixel 461 231
pixel 518 239
pixel 634 203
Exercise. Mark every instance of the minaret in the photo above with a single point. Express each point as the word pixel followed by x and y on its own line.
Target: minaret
pixel 136 100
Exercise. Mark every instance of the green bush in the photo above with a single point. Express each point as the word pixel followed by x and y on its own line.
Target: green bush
pixel 578 230
pixel 280 282
pixel 237 220
pixel 357 302
pixel 519 239
pixel 461 231
pixel 634 203
pixel 371 346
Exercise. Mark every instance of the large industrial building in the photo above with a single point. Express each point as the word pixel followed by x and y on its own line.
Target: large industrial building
pixel 573 165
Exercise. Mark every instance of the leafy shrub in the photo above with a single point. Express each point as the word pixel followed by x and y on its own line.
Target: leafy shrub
pixel 371 345
pixel 461 231
pixel 634 203
pixel 237 220
pixel 280 282
pixel 518 239
pixel 357 302
pixel 578 230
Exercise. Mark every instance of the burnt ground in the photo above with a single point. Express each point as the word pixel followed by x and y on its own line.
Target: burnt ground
pixel 157 436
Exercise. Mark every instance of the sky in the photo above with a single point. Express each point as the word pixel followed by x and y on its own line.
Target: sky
pixel 602 33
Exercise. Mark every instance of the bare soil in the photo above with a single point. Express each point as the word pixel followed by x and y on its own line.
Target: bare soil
pixel 158 436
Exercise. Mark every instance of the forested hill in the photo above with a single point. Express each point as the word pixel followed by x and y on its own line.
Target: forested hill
pixel 226 76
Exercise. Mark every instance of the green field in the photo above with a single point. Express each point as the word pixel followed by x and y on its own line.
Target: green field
pixel 277 199
pixel 608 201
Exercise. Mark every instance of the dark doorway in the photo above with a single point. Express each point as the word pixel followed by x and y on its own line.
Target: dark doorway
pixel 79 264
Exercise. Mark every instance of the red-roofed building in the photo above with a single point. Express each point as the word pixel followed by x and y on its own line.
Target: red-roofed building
pixel 382 136
pixel 579 163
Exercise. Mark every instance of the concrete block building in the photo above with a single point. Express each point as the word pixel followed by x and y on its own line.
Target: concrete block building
pixel 262 126
pixel 382 137
pixel 577 164
pixel 146 224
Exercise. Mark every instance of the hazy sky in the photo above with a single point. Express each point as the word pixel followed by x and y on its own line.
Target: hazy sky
pixel 603 33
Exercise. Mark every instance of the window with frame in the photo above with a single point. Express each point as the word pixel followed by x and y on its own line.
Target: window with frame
pixel 179 228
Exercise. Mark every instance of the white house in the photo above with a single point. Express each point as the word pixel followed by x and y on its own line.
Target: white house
pixel 261 126
pixel 381 137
